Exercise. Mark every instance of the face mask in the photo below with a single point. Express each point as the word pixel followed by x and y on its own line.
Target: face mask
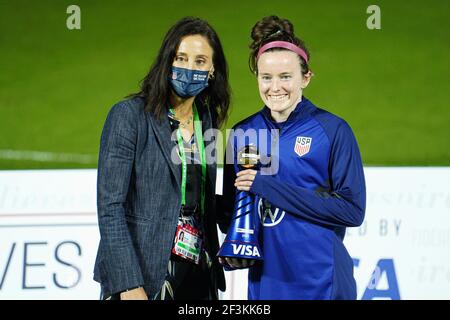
pixel 188 83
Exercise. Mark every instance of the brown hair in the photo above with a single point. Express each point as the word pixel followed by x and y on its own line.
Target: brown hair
pixel 273 28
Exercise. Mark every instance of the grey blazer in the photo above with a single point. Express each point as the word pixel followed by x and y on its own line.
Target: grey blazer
pixel 138 200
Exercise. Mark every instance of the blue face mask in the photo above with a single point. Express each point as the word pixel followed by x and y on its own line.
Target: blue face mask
pixel 188 83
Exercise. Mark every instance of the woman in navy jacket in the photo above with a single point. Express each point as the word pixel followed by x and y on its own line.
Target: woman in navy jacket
pixel 314 187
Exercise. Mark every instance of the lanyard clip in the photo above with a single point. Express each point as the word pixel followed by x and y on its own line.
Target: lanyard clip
pixel 188 210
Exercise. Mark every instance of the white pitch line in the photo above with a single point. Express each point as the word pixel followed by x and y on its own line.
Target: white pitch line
pixel 43 156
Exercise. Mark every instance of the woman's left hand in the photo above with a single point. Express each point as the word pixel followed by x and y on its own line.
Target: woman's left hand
pixel 244 179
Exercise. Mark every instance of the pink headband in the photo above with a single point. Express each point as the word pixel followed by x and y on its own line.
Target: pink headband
pixel 285 45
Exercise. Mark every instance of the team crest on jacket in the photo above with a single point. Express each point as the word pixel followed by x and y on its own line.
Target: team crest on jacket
pixel 302 145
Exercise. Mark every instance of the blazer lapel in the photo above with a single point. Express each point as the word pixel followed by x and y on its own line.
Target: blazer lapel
pixel 210 159
pixel 163 134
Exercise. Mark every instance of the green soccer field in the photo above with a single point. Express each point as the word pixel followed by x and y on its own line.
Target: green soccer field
pixel 57 85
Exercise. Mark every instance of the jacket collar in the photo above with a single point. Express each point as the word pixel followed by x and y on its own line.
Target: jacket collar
pixel 163 132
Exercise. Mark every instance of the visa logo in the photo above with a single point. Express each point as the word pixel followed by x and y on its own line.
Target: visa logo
pixel 245 250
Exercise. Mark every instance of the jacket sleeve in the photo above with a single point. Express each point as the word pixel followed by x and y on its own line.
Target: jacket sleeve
pixel 117 152
pixel 345 201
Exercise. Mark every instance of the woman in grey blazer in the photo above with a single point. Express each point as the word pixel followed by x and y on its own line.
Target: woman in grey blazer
pixel 157 175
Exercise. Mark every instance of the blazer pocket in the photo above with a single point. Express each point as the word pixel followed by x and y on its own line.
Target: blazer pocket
pixel 137 219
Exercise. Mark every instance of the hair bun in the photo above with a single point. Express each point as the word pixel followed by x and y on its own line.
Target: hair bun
pixel 273 28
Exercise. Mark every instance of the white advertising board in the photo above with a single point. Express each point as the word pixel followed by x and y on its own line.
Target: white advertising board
pixel 49 235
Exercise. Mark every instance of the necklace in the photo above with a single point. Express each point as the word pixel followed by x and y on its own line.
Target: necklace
pixel 187 123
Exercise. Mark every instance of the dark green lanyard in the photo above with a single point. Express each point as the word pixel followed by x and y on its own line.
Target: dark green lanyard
pixel 201 148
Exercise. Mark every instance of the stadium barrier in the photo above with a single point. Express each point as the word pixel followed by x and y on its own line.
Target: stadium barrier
pixel 49 235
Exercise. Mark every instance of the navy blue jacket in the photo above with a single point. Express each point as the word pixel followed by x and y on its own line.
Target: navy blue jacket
pixel 314 193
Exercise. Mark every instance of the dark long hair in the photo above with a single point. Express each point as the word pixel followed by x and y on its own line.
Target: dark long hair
pixel 155 87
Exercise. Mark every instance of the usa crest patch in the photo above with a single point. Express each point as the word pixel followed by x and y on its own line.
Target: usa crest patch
pixel 302 145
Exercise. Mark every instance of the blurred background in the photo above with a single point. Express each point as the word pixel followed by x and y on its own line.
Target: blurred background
pixel 57 85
